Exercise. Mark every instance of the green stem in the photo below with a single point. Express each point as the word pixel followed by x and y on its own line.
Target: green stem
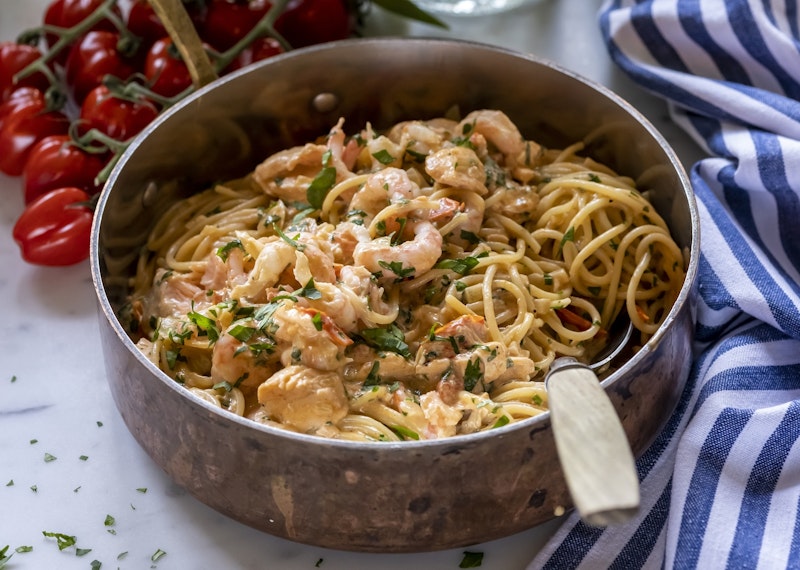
pixel 264 27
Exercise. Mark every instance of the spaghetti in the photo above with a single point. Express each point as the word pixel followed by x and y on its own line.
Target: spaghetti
pixel 411 284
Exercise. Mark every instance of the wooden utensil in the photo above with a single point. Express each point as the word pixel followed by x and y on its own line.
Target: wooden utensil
pixel 592 446
pixel 182 31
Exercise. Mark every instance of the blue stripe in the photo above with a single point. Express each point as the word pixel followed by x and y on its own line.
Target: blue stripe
pixel 573 549
pixel 758 493
pixel 794 550
pixel 691 19
pixel 638 550
pixel 705 480
pixel 746 29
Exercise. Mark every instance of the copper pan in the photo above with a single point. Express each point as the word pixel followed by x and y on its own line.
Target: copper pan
pixel 374 497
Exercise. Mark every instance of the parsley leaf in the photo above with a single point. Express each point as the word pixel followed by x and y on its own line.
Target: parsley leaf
pixel 391 339
pixel 463 265
pixel 320 186
pixel 471 560
pixel 62 540
pixel 383 156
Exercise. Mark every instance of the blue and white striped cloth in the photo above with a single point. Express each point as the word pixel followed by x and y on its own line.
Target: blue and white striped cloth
pixel 721 485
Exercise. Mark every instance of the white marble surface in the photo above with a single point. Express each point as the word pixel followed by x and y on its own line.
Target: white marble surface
pixel 54 401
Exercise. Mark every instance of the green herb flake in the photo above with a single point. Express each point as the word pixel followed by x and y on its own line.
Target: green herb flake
pixel 501 421
pixel 10 483
pixel 317 320
pixel 319 563
pixel 48 458
pixel 23 549
pixel 391 339
pixel 309 291
pixel 537 399
pixel 569 236
pixel 241 332
pixel 292 242
pixel 463 265
pixel 34 441
pixel 205 325
pixel 320 186
pixel 383 156
pixel 472 374
pixel 158 555
pixel 548 279
pixel 224 251
pixel 35 488
pixel 471 560
pixel 13 378
pixel 99 424
pixel 84 457
pixel 142 490
pixel 405 433
pixel 122 555
pixel 82 551
pixel 109 521
pixel 397 268
pixel 62 540
pixel 96 565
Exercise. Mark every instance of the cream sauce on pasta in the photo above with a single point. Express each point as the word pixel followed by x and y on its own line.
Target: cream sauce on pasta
pixel 410 284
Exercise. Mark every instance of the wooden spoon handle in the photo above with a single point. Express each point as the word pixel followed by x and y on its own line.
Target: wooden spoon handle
pixel 182 31
pixel 592 447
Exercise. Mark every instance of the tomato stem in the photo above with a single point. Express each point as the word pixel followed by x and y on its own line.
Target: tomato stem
pixel 264 27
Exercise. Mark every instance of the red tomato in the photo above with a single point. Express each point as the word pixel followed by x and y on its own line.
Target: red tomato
pixel 308 22
pixel 227 22
pixel 143 21
pixel 92 58
pixel 24 126
pixel 261 48
pixel 69 13
pixel 56 162
pixel 166 73
pixel 120 119
pixel 19 98
pixel 14 58
pixel 55 229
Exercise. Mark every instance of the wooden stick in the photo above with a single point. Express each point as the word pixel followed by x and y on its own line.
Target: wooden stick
pixel 182 31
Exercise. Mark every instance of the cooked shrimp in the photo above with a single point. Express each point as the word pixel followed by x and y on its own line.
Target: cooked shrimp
pixel 404 260
pixel 381 189
pixel 232 362
pixel 498 129
pixel 299 339
pixel 275 256
pixel 421 137
pixel 457 166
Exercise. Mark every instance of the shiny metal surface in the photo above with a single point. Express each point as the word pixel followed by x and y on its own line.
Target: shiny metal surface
pixel 414 496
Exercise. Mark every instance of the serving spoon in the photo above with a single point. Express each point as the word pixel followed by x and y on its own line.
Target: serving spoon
pixel 592 446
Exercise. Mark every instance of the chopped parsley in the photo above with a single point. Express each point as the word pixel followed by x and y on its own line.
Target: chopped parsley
pixel 226 249
pixel 569 236
pixel 383 156
pixel 405 433
pixel 205 325
pixel 390 338
pixel 62 540
pixel 472 374
pixel 463 265
pixel 309 291
pixel 397 268
pixel 322 183
pixel 48 458
pixel 158 555
pixel 471 560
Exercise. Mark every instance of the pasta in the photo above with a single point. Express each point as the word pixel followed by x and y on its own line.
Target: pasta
pixel 410 284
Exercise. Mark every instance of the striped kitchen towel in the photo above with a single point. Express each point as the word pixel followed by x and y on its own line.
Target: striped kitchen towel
pixel 721 484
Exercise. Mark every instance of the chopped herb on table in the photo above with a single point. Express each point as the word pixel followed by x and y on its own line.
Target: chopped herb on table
pixel 471 560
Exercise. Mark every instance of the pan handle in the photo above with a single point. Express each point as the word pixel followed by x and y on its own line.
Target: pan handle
pixel 592 446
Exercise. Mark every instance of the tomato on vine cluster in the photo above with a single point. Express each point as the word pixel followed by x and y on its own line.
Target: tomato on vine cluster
pixel 74 92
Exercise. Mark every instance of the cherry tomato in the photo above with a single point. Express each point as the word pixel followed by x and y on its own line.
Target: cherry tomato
pixel 227 22
pixel 56 162
pixel 166 73
pixel 19 98
pixel 120 119
pixel 69 13
pixel 308 22
pixel 143 21
pixel 14 58
pixel 261 48
pixel 24 126
pixel 92 58
pixel 55 229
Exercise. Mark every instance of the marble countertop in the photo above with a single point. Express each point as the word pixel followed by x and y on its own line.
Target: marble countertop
pixel 67 463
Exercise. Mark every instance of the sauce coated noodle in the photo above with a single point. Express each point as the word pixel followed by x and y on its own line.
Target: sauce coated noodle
pixel 410 284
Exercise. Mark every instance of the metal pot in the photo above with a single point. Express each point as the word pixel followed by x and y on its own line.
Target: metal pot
pixel 379 497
